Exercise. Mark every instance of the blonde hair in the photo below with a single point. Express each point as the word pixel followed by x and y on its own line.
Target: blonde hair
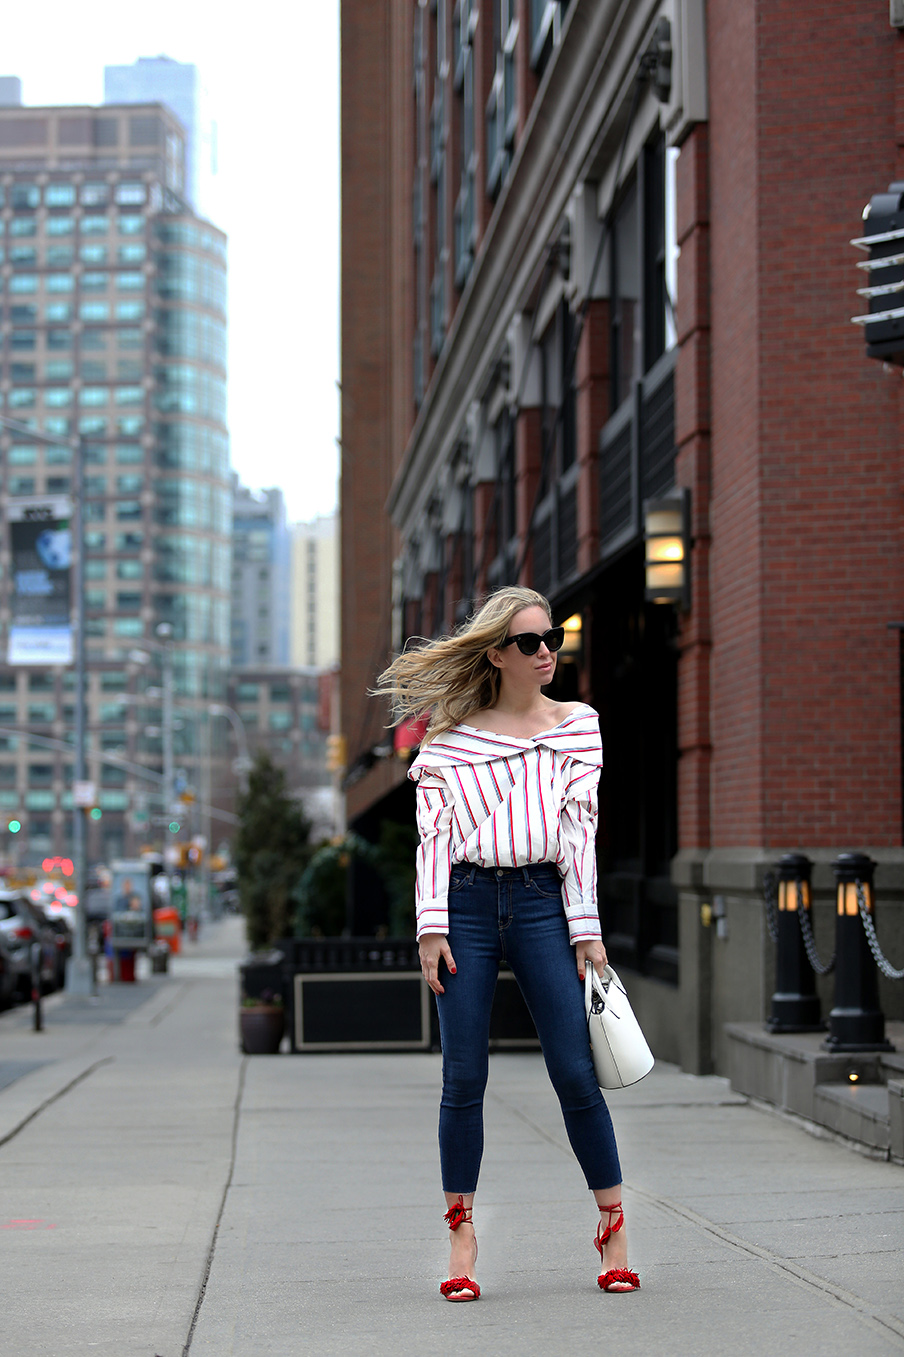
pixel 452 676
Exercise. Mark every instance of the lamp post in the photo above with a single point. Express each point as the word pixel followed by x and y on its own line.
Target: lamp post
pixel 242 765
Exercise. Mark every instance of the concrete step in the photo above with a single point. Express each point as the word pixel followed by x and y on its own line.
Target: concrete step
pixel 859 1096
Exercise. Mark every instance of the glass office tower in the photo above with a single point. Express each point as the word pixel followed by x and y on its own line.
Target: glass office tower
pixel 114 331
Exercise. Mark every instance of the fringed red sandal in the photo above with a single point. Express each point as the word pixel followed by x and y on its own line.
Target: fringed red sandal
pixel 617 1279
pixel 459 1288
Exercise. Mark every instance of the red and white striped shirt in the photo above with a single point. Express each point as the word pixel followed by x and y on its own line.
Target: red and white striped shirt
pixel 498 801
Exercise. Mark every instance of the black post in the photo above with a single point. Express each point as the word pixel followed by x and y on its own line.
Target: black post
pixel 795 1003
pixel 856 1023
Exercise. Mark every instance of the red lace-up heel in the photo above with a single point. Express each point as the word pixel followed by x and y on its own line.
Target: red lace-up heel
pixel 459 1288
pixel 617 1278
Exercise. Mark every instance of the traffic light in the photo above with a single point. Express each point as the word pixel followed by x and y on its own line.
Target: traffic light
pixel 14 826
pixel 883 241
pixel 174 826
pixel 95 813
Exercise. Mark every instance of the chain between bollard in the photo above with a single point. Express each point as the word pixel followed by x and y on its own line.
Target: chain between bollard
pixel 770 897
pixel 806 928
pixel 869 929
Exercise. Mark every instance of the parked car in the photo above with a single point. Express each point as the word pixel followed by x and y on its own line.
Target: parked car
pixel 57 922
pixel 8 973
pixel 22 925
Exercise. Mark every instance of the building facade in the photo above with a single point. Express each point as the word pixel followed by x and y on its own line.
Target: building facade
pixel 114 333
pixel 314 626
pixel 602 253
pixel 261 575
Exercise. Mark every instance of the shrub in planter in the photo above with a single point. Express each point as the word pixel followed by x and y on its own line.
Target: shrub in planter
pixel 262 1022
pixel 272 849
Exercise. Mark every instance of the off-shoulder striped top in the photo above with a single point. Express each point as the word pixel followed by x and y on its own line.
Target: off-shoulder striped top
pixel 497 801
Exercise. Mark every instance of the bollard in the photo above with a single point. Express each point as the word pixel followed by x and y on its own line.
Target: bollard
pixel 856 1022
pixel 795 1003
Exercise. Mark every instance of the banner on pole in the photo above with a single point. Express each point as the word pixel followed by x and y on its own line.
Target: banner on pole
pixel 40 531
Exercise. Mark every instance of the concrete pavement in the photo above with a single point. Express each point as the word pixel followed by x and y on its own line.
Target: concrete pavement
pixel 161 1195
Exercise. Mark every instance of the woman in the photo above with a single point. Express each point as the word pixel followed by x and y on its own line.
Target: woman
pixel 507 812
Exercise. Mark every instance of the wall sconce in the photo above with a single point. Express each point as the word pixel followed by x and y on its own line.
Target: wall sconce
pixel 667 540
pixel 574 637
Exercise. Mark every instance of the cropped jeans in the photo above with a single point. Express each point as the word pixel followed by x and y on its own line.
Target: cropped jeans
pixel 515 914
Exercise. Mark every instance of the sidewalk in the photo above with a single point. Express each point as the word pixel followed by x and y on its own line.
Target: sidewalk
pixel 308 1186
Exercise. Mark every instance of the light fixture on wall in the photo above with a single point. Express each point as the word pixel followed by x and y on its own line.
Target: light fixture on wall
pixel 574 637
pixel 666 531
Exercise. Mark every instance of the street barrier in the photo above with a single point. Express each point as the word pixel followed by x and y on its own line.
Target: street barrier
pixel 856 1022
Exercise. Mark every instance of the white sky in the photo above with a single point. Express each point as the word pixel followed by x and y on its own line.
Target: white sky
pixel 271 72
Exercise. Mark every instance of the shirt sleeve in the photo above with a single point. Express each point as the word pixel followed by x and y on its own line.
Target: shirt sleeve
pixel 577 852
pixel 434 854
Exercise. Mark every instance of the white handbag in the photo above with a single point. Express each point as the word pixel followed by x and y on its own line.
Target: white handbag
pixel 619 1048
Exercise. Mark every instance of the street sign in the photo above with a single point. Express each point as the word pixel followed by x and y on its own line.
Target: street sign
pixel 84 794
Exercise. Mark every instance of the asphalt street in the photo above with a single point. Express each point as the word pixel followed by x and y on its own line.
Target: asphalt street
pixel 162 1195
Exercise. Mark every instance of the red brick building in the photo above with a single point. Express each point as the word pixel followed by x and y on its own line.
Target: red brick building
pixel 596 255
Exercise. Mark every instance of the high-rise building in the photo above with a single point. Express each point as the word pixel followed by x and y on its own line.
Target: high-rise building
pixel 165 81
pixel 260 577
pixel 114 332
pixel 314 629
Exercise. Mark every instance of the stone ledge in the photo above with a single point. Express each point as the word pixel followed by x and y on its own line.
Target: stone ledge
pixel 794 1073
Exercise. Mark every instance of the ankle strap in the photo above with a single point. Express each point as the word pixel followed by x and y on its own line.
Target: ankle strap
pixel 602 1235
pixel 616 1206
pixel 458 1213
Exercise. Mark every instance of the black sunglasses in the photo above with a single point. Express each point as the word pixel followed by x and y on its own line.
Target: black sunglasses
pixel 528 642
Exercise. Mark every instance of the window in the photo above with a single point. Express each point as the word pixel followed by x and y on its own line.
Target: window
pixel 94 395
pixel 94 311
pixel 132 253
pixel 23 226
pixel 59 256
pixel 129 570
pixel 25 195
pixel 128 509
pixel 128 602
pixel 112 681
pixel 59 339
pixel 57 456
pixel 95 599
pixel 21 398
pixel 59 226
pixel 56 424
pixel 129 339
pixel 22 372
pixel 280 692
pixel 22 339
pixel 128 626
pixel 59 195
pixel 95 226
pixel 129 541
pixel 93 254
pixel 129 485
pixel 130 225
pixel 58 370
pixel 41 713
pixel 39 801
pixel 129 195
pixel 129 426
pixel 128 369
pixel 95 570
pixel 57 396
pixel 129 310
pixel 93 370
pixel 95 282
pixel 128 395
pixel 95 541
pixel 129 452
pixel 23 282
pixel 93 339
pixel 246 692
pixel 94 195
pixel 93 426
pixel 59 282
pixel 95 485
pixel 130 282
pixel 23 256
pixel 280 720
pixel 55 312
pixel 23 314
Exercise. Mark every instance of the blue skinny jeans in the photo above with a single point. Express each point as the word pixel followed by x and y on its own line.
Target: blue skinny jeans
pixel 515 915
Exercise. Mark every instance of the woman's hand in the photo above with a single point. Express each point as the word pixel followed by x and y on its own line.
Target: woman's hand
pixel 592 950
pixel 431 948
